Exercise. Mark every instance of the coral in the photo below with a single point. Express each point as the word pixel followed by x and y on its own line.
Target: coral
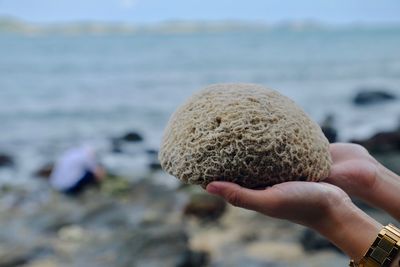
pixel 246 134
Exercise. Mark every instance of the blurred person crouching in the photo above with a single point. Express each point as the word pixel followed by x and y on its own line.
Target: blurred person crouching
pixel 75 170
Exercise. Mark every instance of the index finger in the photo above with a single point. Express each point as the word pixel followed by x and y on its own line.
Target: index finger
pixel 258 200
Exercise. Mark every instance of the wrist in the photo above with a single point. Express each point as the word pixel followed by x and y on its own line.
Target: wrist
pixel 385 249
pixel 396 262
pixel 350 229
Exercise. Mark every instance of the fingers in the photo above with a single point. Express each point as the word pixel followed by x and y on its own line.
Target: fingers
pixel 345 176
pixel 340 151
pixel 238 196
pixel 344 151
pixel 355 178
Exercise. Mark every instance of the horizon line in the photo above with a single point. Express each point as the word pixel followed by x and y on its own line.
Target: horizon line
pixel 249 22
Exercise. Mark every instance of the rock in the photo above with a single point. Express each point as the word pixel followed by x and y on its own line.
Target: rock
pixel 132 137
pixel 372 96
pixel 245 261
pixel 43 262
pixel 44 171
pixel 50 220
pixel 313 241
pixel 16 255
pixel 155 166
pixel 328 128
pixel 158 246
pixel 205 206
pixel 194 259
pixel 115 186
pixel 91 209
pixel 381 142
pixel 152 152
pixel 72 233
pixel 151 218
pixel 15 258
pixel 6 160
pixel 117 142
pixel 116 145
pixel 105 213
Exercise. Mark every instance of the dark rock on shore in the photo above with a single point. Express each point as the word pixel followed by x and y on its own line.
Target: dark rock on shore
pixel 155 166
pixel 132 137
pixel 194 259
pixel 141 228
pixel 97 230
pixel 16 255
pixel 381 142
pixel 44 171
pixel 205 207
pixel 116 145
pixel 161 245
pixel 118 142
pixel 372 96
pixel 14 258
pixel 247 262
pixel 114 185
pixel 152 152
pixel 328 128
pixel 385 147
pixel 6 160
pixel 50 219
pixel 313 241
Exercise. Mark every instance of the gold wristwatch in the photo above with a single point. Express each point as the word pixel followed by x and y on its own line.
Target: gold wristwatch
pixel 384 249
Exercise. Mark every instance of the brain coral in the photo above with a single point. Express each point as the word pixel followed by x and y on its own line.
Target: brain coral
pixel 246 134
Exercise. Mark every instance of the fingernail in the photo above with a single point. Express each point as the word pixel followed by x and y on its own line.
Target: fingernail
pixel 212 189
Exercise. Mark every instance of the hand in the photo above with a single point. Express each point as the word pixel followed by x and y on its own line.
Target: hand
pixel 354 169
pixel 320 206
pixel 359 174
pixel 324 206
pixel 306 203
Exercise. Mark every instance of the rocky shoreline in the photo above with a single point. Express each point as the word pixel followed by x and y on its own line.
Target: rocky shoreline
pixel 154 221
pixel 150 225
pixel 145 223
pixel 144 226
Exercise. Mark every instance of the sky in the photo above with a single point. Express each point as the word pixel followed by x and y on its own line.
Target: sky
pixel 152 11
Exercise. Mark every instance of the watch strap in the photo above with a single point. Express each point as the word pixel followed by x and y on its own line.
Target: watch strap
pixel 384 249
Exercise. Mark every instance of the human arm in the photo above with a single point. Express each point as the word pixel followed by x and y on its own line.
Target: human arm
pixel 320 206
pixel 325 207
pixel 91 164
pixel 100 173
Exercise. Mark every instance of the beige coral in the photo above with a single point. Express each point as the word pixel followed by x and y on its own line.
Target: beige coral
pixel 246 134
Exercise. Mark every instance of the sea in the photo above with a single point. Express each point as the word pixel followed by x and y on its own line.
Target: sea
pixel 62 90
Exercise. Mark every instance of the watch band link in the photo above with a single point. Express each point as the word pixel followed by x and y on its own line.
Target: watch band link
pixel 384 249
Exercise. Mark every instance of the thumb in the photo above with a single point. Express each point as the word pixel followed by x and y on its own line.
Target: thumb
pixel 238 196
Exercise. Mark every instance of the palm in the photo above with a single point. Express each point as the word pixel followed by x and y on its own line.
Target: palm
pixel 301 202
pixel 353 169
pixel 307 203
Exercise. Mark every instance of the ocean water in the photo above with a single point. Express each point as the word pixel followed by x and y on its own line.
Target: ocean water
pixel 61 90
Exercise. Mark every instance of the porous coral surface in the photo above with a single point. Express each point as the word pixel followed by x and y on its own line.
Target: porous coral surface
pixel 246 134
